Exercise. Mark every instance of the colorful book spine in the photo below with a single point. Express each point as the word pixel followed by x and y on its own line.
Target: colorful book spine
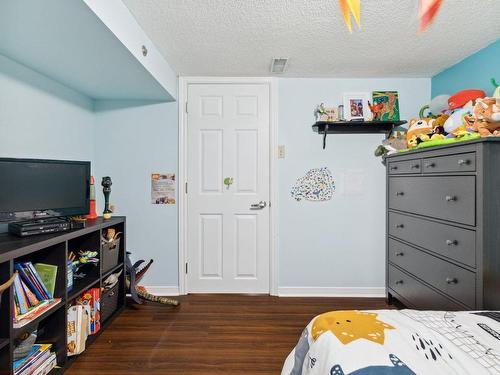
pixel 29 282
pixel 33 301
pixel 38 279
pixel 21 298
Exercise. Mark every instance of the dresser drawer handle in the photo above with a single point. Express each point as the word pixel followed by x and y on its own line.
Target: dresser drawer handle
pixel 400 193
pixel 451 242
pixel 399 226
pixel 399 282
pixel 451 198
pixel 430 165
pixel 463 162
pixel 399 253
pixel 451 280
pixel 393 168
pixel 415 166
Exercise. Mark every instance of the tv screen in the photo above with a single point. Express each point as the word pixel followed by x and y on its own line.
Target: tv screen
pixel 39 188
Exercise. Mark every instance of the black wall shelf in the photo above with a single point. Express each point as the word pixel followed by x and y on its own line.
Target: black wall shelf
pixel 354 127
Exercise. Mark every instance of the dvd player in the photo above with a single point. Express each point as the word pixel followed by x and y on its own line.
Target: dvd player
pixel 39 226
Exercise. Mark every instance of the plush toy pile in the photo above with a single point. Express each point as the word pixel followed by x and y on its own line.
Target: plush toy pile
pixel 463 116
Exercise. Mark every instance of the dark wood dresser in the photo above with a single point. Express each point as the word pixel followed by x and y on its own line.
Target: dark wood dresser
pixel 443 226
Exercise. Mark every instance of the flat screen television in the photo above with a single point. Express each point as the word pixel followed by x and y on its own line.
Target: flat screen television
pixel 33 189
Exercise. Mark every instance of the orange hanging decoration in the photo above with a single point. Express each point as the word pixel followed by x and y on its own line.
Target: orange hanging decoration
pixel 428 11
pixel 350 6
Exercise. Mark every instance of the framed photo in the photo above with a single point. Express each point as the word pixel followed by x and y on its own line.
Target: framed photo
pixel 356 106
pixel 390 105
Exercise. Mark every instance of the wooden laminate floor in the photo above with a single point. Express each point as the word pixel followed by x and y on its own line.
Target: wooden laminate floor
pixel 208 334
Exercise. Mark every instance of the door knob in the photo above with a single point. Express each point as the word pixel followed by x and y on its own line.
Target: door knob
pixel 258 206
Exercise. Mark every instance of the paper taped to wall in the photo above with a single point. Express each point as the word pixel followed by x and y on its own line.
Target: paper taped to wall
pixel 162 188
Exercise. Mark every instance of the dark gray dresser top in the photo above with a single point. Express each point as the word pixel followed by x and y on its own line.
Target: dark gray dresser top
pixel 444 147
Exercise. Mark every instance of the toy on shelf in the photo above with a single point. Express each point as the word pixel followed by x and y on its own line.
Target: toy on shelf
pixel 487 116
pixel 84 258
pixel 396 142
pixel 323 113
pixel 110 238
pixel 464 98
pixel 496 93
pixel 92 211
pixel 437 106
pixel 106 189
pixel 459 122
pixel 376 109
pixel 111 280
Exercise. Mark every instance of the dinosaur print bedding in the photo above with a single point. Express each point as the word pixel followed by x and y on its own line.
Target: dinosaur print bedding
pixel 394 342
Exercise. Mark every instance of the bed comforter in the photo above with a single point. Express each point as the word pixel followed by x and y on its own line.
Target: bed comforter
pixel 394 342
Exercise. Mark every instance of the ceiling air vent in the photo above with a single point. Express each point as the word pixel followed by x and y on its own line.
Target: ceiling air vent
pixel 278 65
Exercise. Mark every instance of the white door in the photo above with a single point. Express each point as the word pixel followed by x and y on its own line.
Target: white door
pixel 228 224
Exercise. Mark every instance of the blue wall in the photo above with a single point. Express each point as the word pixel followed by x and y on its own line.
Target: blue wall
pixel 133 140
pixel 474 72
pixel 339 243
pixel 40 118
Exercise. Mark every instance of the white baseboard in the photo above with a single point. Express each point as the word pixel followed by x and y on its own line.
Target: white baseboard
pixel 163 290
pixel 286 291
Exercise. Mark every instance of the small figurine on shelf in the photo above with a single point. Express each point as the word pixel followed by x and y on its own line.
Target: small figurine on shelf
pixel 106 189
pixel 376 109
pixel 92 213
pixel 83 259
pixel 323 113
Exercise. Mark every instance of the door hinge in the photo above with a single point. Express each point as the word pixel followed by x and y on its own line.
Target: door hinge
pixel 186 268
pixel 186 188
pixel 186 107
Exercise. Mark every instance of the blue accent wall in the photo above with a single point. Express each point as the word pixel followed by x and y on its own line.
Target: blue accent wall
pixel 474 72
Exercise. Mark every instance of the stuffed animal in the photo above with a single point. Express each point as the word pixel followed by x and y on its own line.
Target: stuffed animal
pixel 496 93
pixel 419 130
pixel 436 107
pixel 464 98
pixel 459 123
pixel 487 115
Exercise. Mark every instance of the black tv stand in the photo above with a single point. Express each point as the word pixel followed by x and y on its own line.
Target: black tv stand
pixel 39 226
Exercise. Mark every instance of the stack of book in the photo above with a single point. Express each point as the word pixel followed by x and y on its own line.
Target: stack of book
pixel 39 361
pixel 33 293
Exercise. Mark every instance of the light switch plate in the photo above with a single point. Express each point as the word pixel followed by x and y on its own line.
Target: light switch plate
pixel 281 151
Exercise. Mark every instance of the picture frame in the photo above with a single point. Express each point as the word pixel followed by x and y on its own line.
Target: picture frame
pixel 390 102
pixel 356 106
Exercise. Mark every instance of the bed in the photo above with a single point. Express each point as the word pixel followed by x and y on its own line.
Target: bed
pixel 395 342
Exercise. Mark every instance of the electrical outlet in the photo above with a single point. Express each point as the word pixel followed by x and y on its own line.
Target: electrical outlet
pixel 281 151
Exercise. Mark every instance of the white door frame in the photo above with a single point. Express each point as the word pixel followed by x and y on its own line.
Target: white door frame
pixel 184 82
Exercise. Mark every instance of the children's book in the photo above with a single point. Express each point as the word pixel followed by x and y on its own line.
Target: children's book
pixel 38 280
pixel 33 301
pixel 20 296
pixel 47 366
pixel 390 102
pixel 28 280
pixel 35 353
pixel 47 273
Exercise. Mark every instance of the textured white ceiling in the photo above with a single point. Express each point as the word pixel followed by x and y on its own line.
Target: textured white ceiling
pixel 239 37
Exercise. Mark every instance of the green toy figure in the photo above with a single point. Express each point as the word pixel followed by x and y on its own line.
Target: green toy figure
pixel 106 189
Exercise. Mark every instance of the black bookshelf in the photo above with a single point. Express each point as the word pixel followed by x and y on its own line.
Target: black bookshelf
pixel 53 249
pixel 354 127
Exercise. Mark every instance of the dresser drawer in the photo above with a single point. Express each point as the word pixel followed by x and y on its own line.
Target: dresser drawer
pixel 452 280
pixel 405 166
pixel 455 243
pixel 418 294
pixel 450 163
pixel 448 198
